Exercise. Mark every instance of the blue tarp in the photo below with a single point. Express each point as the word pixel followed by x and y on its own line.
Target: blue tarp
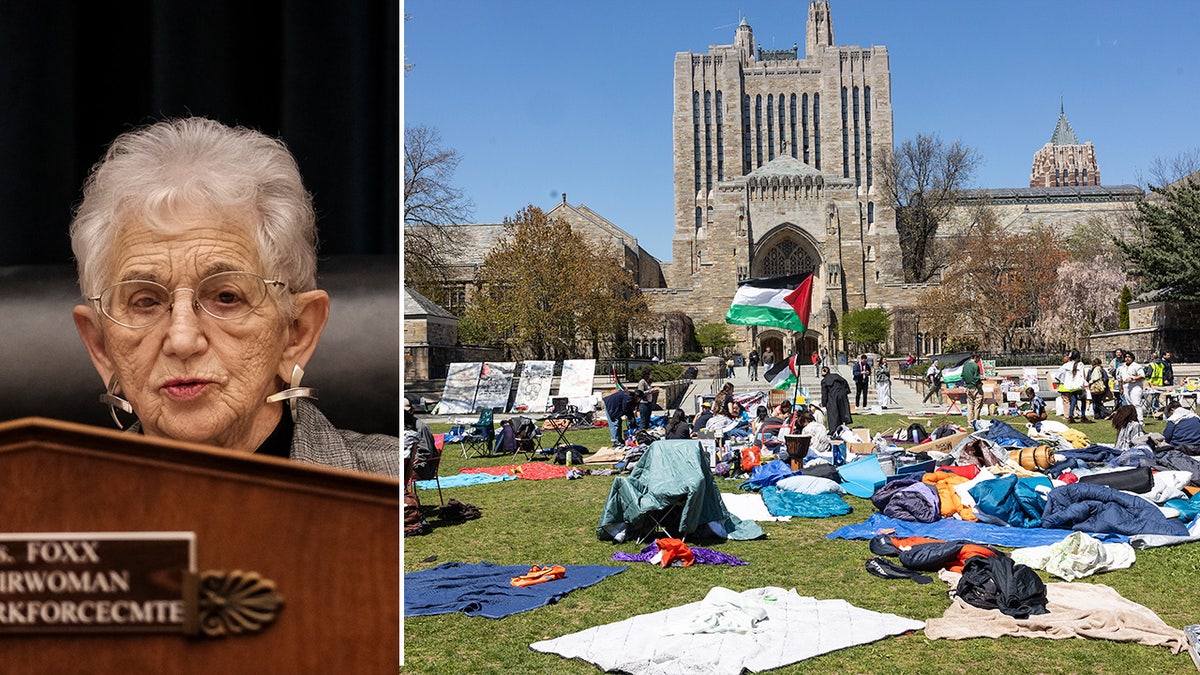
pixel 768 474
pixel 952 529
pixel 460 480
pixel 786 503
pixel 485 589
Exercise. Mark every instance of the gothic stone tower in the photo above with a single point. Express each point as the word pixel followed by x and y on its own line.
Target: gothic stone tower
pixel 1064 161
pixel 774 175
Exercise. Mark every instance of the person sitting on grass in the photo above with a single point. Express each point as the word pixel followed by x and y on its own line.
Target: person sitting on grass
pixel 815 430
pixel 741 427
pixel 701 419
pixel 1037 407
pixel 1129 427
pixel 678 427
pixel 1183 429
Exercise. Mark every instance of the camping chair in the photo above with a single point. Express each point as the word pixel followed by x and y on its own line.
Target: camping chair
pixel 480 436
pixel 529 437
pixel 428 470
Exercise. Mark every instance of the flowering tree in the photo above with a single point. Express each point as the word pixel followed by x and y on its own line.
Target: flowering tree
pixel 994 286
pixel 1084 300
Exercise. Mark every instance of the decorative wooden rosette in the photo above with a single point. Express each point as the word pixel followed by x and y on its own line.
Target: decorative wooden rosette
pixel 221 604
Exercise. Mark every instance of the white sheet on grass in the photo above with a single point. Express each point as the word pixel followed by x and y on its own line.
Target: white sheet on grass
pixel 748 506
pixel 796 628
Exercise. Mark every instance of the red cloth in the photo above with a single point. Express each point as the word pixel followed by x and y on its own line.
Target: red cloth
pixel 969 471
pixel 970 551
pixel 674 549
pixel 1068 477
pixel 529 471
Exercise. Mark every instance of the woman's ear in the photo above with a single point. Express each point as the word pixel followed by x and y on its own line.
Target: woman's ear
pixel 304 331
pixel 88 325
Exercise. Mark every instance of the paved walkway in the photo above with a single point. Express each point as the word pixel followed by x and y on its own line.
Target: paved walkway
pixel 906 397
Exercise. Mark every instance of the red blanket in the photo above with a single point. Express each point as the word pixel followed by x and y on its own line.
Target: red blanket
pixel 530 471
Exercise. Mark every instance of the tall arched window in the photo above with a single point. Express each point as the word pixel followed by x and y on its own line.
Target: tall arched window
pixel 770 127
pixel 867 129
pixel 696 138
pixel 804 124
pixel 747 158
pixel 708 140
pixel 845 136
pixel 870 214
pixel 782 125
pixel 758 155
pixel 792 109
pixel 699 217
pixel 786 257
pixel 816 131
pixel 720 139
pixel 857 142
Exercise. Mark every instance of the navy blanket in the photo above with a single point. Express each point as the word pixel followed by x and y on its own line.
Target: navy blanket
pixel 952 529
pixel 485 589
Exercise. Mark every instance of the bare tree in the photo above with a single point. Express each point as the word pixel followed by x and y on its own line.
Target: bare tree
pixel 922 178
pixel 1165 171
pixel 432 205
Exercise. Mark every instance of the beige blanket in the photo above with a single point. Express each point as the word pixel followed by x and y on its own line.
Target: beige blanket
pixel 1092 611
pixel 606 455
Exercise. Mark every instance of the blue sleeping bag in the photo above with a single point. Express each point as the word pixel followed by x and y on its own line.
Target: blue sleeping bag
pixel 1098 508
pixel 1010 501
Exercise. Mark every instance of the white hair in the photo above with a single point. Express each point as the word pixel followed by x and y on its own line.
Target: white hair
pixel 151 174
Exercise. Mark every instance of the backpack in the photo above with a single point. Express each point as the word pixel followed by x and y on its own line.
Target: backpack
pixel 917 433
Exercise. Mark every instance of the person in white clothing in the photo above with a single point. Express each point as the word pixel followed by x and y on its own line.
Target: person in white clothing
pixel 1132 377
pixel 883 383
pixel 1072 382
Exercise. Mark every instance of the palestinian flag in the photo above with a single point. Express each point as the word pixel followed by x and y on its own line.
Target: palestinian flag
pixel 783 374
pixel 781 302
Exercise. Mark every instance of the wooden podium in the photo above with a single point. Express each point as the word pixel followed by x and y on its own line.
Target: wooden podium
pixel 328 539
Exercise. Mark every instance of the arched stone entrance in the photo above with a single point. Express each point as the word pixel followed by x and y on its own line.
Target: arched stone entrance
pixel 786 249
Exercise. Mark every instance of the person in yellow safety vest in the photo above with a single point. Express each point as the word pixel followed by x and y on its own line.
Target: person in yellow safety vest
pixel 1154 370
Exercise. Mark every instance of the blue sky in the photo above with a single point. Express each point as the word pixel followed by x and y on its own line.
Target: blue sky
pixel 542 97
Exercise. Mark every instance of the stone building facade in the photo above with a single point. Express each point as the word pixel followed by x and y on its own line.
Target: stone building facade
pixel 1064 161
pixel 773 175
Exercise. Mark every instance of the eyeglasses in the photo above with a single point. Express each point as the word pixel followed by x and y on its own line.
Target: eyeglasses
pixel 225 296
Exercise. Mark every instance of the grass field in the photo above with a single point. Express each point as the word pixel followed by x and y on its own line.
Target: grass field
pixel 553 522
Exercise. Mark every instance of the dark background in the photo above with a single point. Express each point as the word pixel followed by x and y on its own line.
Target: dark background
pixel 322 75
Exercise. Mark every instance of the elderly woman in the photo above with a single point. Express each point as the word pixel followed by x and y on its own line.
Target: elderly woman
pixel 195 246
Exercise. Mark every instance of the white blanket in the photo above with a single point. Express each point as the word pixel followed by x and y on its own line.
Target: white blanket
pixel 748 506
pixel 796 628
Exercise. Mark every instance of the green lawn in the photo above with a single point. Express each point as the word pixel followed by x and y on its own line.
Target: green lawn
pixel 554 521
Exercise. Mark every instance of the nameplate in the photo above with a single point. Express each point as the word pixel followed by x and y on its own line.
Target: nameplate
pixel 95 582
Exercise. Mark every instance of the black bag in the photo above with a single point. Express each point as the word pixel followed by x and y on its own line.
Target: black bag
pixel 1138 479
pixel 999 583
pixel 561 454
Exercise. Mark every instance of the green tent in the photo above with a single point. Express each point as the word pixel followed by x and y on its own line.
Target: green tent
pixel 671 477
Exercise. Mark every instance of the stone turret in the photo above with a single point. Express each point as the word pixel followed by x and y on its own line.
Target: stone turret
pixel 819 33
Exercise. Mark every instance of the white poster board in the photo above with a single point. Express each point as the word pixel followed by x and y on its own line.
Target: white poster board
pixel 495 384
pixel 576 382
pixel 459 394
pixel 533 392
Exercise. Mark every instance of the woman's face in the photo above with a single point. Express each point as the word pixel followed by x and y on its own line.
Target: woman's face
pixel 191 376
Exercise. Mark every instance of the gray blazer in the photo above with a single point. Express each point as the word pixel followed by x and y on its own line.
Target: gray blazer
pixel 316 441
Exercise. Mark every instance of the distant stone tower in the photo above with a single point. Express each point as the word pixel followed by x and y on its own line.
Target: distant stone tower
pixel 773 174
pixel 1064 161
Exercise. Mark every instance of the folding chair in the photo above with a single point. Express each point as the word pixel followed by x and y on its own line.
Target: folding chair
pixel 480 436
pixel 428 470
pixel 529 437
